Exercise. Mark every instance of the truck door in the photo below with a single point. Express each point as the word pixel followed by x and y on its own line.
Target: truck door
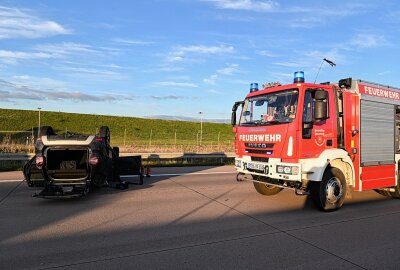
pixel 316 136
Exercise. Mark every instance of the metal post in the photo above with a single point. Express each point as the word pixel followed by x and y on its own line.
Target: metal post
pixel 219 133
pixel 151 134
pixel 201 127
pixel 125 137
pixel 38 131
pixel 175 138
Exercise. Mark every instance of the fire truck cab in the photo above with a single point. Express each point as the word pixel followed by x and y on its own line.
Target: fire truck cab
pixel 322 140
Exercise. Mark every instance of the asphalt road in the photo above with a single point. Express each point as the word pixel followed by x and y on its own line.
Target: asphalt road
pixel 202 219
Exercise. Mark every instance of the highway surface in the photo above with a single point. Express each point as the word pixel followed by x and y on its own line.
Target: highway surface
pixel 194 218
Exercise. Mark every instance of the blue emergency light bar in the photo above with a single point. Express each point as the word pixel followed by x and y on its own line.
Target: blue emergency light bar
pixel 298 77
pixel 253 87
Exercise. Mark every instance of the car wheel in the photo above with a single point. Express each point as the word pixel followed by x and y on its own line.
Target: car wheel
pixel 104 133
pixel 46 131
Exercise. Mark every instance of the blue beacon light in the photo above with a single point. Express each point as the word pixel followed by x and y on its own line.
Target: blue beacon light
pixel 253 87
pixel 298 77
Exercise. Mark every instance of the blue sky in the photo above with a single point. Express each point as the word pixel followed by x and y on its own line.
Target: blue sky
pixel 180 57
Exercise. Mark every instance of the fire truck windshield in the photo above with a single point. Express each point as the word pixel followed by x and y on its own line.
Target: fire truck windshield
pixel 270 109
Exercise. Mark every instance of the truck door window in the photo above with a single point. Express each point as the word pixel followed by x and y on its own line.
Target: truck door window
pixel 307 115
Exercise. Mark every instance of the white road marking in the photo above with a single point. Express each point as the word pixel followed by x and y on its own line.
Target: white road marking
pixel 179 174
pixel 152 175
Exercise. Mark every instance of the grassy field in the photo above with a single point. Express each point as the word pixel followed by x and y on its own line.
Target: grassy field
pixel 125 131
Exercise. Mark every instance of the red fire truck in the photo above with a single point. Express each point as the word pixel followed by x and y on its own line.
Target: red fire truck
pixel 322 140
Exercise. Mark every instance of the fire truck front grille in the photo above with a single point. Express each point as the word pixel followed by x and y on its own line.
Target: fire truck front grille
pixel 262 152
pixel 260 159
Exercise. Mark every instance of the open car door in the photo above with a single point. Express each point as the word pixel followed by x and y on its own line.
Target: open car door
pixel 130 169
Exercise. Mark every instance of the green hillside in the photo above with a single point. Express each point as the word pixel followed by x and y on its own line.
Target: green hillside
pixel 135 131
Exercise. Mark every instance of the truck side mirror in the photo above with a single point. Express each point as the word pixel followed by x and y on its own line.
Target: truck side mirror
pixel 321 105
pixel 234 109
pixel 233 118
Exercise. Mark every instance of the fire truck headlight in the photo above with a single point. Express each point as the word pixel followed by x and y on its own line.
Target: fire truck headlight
pixel 238 163
pixel 287 169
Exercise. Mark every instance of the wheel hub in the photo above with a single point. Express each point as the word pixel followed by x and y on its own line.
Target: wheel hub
pixel 334 190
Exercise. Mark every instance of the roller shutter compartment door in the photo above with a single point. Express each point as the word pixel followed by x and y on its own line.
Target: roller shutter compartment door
pixel 377 133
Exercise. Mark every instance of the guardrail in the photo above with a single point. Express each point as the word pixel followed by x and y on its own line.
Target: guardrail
pixel 16 161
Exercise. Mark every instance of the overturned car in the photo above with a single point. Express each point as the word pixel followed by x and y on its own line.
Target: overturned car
pixel 68 165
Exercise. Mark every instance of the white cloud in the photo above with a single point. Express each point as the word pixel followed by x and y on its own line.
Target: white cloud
pixel 228 70
pixel 126 41
pixel 12 57
pixel 30 88
pixel 15 23
pixel 211 80
pixel 90 71
pixel 175 84
pixel 369 41
pixel 250 5
pixel 65 48
pixel 222 49
pixel 288 64
pixel 180 53
pixel 384 73
pixel 267 53
pixel 166 68
pixel 169 97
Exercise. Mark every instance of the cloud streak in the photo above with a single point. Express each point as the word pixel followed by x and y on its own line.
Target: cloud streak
pixel 11 57
pixel 15 23
pixel 126 41
pixel 66 48
pixel 23 91
pixel 369 41
pixel 170 97
pixel 249 5
pixel 230 69
pixel 181 53
pixel 175 84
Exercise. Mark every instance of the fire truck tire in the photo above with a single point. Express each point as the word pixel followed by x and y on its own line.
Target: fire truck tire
pixel 266 189
pixel 329 194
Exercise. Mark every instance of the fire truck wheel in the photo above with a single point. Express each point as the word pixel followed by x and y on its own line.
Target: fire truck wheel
pixel 265 189
pixel 329 194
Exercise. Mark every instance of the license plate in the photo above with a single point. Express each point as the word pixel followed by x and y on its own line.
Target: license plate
pixel 255 166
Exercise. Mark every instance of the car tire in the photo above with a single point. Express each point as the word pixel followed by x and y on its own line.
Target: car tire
pixel 104 132
pixel 46 131
pixel 329 194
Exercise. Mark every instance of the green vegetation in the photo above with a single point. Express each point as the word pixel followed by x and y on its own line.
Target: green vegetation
pixel 127 131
